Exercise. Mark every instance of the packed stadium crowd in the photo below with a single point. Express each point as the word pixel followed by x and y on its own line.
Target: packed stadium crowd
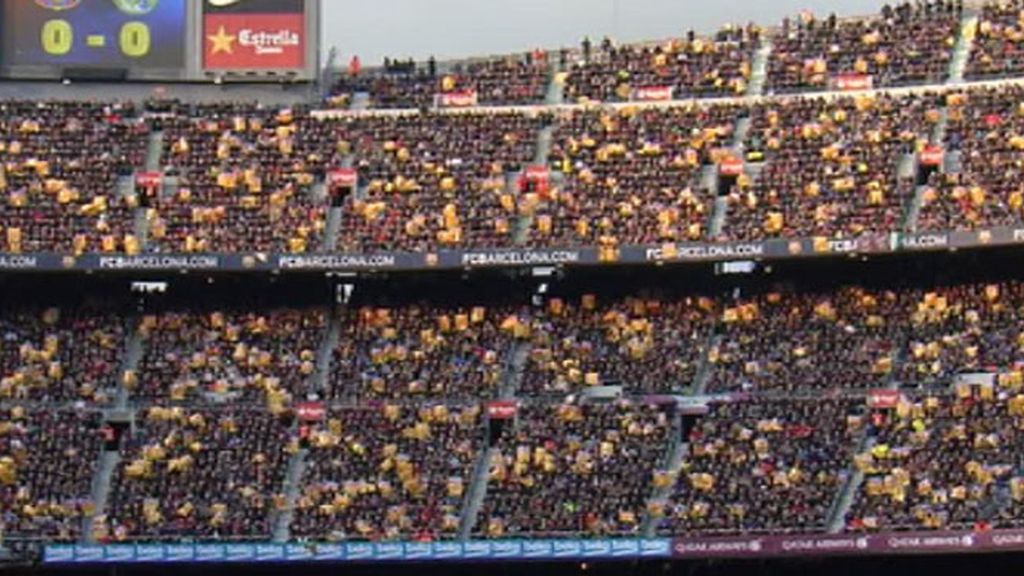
pixel 909 43
pixel 689 67
pixel 766 466
pixel 255 181
pixel 222 390
pixel 829 167
pixel 388 472
pixel 631 176
pixel 569 469
pixel 230 354
pixel 220 444
pixel 198 473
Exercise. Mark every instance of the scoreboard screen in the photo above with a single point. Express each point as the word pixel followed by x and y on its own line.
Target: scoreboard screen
pixel 141 34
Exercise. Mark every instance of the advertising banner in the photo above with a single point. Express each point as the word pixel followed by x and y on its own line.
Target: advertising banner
pixel 931 155
pixel 148 180
pixel 683 252
pixel 456 99
pixel 849 544
pixel 730 166
pixel 310 411
pixel 341 178
pixel 254 35
pixel 473 550
pixel 752 546
pixel 502 409
pixel 653 93
pixel 853 82
pixel 883 398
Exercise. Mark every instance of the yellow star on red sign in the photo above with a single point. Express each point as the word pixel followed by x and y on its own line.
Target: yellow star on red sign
pixel 222 42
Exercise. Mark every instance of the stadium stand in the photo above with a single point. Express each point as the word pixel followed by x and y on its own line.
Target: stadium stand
pixel 244 183
pixel 689 67
pixel 764 466
pixel 515 79
pixel 567 402
pixel 646 345
pixel 58 355
pixel 423 352
pixel 436 180
pixel 962 328
pixel 61 164
pixel 631 176
pixel 996 42
pixel 389 472
pixel 830 167
pixel 199 473
pixel 248 356
pixel 567 470
pixel 910 43
pixel 983 129
pixel 47 461
pixel 794 341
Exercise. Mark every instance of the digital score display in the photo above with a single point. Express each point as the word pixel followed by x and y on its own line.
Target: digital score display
pixel 95 33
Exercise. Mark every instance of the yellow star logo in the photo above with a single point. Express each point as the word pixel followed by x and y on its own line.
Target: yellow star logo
pixel 222 42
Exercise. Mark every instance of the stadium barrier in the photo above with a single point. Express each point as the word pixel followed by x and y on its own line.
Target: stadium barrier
pixel 359 551
pixel 936 542
pixel 515 257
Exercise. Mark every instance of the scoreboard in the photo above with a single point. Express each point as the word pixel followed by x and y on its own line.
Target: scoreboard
pixel 184 40
pixel 104 33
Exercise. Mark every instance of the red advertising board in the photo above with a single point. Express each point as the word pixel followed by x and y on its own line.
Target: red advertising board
pixel 502 410
pixel 931 155
pixel 653 93
pixel 730 166
pixel 883 398
pixel 310 411
pixel 853 82
pixel 148 179
pixel 254 41
pixel 457 99
pixel 341 177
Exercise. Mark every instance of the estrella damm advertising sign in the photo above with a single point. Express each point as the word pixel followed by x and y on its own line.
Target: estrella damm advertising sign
pixel 254 34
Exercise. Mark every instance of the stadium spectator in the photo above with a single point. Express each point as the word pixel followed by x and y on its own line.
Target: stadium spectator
pixel 631 176
pixel 265 355
pixel 985 127
pixel 56 355
pixel 904 44
pixel 943 461
pixel 516 79
pixel 963 328
pixel 689 67
pixel 794 341
pixel 388 472
pixel 762 466
pixel 830 167
pixel 58 180
pixel 437 180
pixel 646 345
pixel 47 460
pixel 997 41
pixel 424 351
pixel 205 474
pixel 571 470
pixel 245 184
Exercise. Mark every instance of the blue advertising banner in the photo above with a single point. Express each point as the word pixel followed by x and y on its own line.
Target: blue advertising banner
pixel 358 551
